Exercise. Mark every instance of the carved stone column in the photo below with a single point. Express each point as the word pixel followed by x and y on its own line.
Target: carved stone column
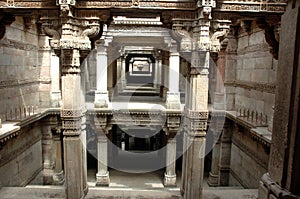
pixel 102 176
pixel 171 131
pixel 47 150
pixel 173 95
pixel 55 81
pixel 196 121
pixel 283 177
pixel 58 176
pixel 213 179
pixel 158 72
pixel 101 94
pixel 225 153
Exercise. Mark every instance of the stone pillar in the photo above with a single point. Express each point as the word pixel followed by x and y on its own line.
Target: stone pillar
pixel 47 150
pixel 283 177
pixel 173 95
pixel 158 71
pixel 119 74
pixel 72 115
pixel 225 153
pixel 102 176
pixel 172 129
pixel 55 81
pixel 213 179
pixel 101 94
pixel 196 121
pixel 58 176
pixel 123 73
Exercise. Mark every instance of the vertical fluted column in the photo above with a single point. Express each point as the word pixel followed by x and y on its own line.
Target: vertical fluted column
pixel 101 94
pixel 58 177
pixel 213 179
pixel 55 79
pixel 173 95
pixel 196 121
pixel 102 176
pixel 72 119
pixel 173 123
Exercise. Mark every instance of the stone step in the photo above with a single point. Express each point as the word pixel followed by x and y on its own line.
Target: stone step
pixel 57 192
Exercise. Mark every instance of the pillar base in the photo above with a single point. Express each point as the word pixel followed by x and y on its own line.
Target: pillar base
pixel 48 176
pixel 268 189
pixel 58 178
pixel 213 180
pixel 102 179
pixel 173 100
pixel 170 180
pixel 101 99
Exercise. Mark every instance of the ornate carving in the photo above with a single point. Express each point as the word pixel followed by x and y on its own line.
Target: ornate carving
pixel 5 19
pixel 271 35
pixel 70 113
pixel 135 3
pixel 91 32
pixel 51 32
pixel 221 29
pixel 264 87
pixel 253 5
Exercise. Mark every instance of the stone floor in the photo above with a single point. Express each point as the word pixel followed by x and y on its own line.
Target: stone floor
pixel 129 186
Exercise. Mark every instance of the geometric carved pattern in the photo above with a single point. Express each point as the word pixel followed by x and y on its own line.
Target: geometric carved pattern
pixel 263 87
pixel 197 114
pixel 71 124
pixel 70 113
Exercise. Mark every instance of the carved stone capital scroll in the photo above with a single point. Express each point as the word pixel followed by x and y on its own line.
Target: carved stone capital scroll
pixel 101 124
pixel 5 19
pixel 220 32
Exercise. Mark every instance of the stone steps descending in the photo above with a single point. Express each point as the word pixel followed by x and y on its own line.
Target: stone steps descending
pixel 57 192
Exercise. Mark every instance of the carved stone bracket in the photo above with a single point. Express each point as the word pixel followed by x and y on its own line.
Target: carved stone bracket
pixel 101 124
pixel 220 32
pixel 183 37
pixel 5 19
pixel 272 29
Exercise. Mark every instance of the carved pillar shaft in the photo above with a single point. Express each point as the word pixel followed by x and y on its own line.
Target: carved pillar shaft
pixel 196 121
pixel 58 177
pixel 72 120
pixel 47 150
pixel 225 154
pixel 173 95
pixel 170 174
pixel 102 176
pixel 101 95
pixel 55 81
pixel 213 179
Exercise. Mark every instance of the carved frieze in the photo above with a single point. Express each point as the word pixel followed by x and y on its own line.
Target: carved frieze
pixel 263 87
pixel 251 6
pixel 5 19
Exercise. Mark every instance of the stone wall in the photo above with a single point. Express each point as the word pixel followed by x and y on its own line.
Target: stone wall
pixel 24 68
pixel 255 75
pixel 21 157
pixel 249 159
pixel 250 79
